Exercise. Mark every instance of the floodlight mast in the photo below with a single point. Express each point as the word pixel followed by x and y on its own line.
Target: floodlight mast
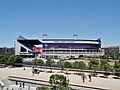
pixel 75 36
pixel 44 36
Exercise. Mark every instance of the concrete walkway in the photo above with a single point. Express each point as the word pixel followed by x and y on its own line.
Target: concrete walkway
pixel 98 82
pixel 16 87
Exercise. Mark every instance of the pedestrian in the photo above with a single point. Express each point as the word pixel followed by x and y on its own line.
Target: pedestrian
pixel 89 77
pixel 20 86
pixel 83 77
pixel 23 84
pixel 33 71
pixel 16 83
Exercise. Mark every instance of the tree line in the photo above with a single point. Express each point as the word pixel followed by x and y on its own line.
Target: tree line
pixel 10 59
pixel 93 64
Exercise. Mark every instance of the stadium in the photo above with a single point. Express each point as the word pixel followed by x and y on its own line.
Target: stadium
pixel 58 48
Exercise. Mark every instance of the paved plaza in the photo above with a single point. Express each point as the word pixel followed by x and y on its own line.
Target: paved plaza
pixel 16 87
pixel 99 82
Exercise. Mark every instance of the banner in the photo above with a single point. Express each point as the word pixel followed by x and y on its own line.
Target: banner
pixel 37 50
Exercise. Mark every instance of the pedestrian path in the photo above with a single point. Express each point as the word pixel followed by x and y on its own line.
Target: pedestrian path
pixel 25 80
pixel 17 87
pixel 99 82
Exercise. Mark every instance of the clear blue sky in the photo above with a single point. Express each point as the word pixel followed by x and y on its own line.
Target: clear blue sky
pixel 90 19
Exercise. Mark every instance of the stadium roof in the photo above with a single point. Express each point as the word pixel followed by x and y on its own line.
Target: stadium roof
pixel 30 42
pixel 97 40
pixel 21 38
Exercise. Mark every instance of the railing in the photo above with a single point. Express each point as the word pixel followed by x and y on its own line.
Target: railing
pixel 72 69
pixel 46 83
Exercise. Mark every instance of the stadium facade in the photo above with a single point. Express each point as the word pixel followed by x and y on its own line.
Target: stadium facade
pixel 59 48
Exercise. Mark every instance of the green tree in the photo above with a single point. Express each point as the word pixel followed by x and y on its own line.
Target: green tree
pixel 3 59
pixel 14 59
pixel 93 64
pixel 104 65
pixel 49 63
pixel 59 82
pixel 34 61
pixel 18 59
pixel 67 64
pixel 79 65
pixel 60 63
pixel 40 62
pixel 117 66
pixel 11 60
pixel 82 65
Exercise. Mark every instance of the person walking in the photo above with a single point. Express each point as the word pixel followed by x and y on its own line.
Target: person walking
pixel 33 70
pixel 89 77
pixel 16 83
pixel 23 84
pixel 20 87
pixel 83 77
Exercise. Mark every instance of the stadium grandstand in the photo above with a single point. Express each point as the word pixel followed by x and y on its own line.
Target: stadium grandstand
pixel 27 47
pixel 58 48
